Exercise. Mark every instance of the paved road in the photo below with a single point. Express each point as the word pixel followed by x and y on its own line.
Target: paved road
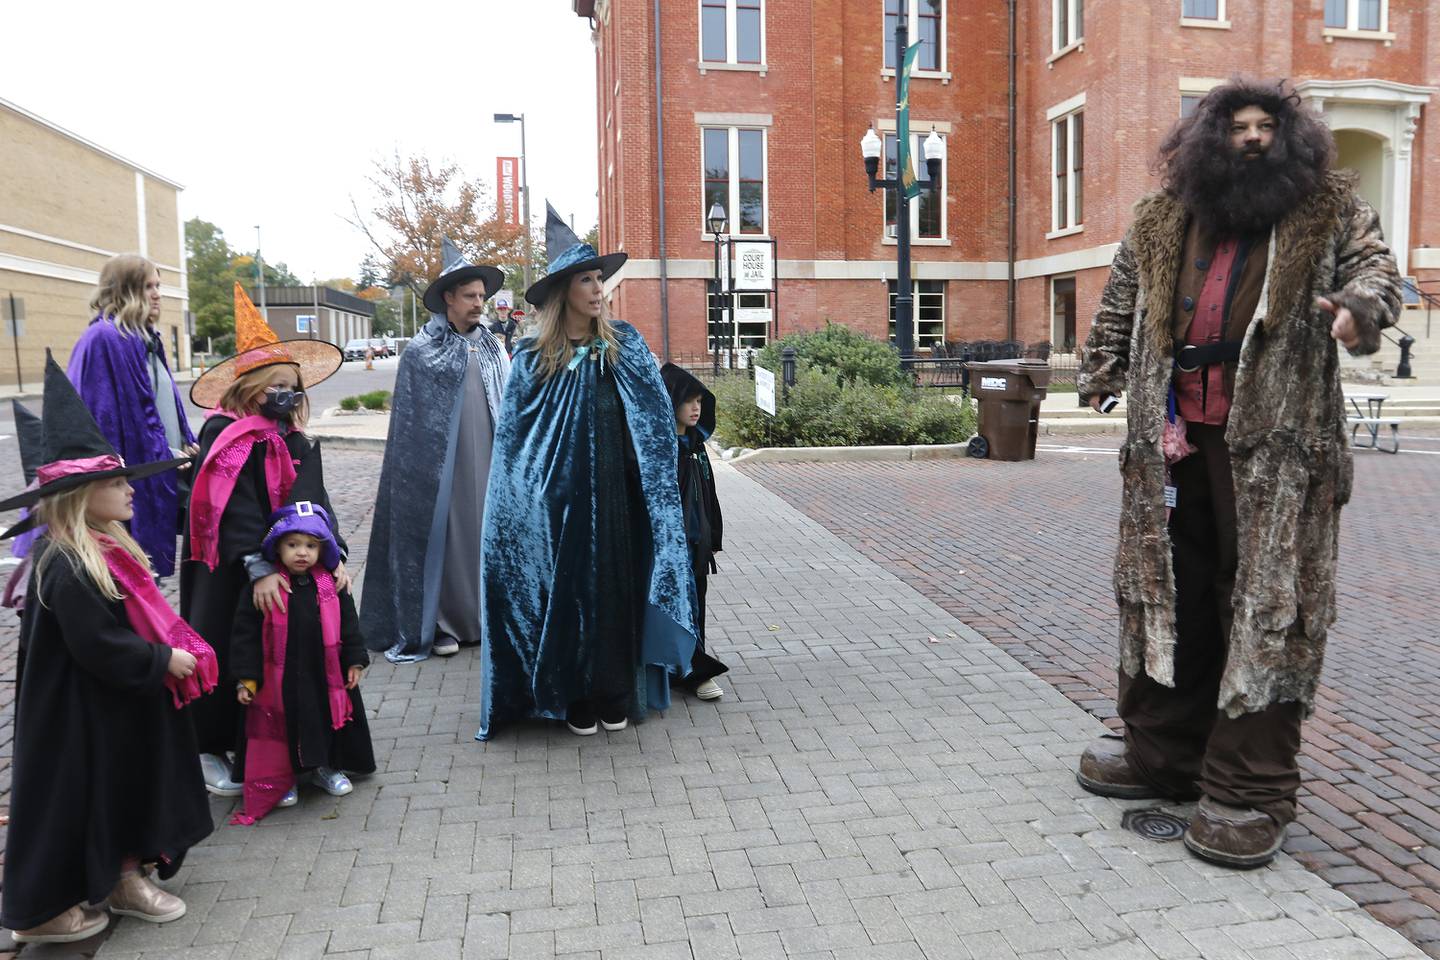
pixel 1022 553
pixel 880 782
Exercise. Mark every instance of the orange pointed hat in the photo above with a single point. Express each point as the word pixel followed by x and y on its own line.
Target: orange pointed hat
pixel 256 346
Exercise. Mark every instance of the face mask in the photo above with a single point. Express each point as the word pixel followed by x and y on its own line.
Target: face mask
pixel 279 404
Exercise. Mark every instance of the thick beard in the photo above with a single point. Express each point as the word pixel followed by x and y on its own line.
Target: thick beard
pixel 1234 196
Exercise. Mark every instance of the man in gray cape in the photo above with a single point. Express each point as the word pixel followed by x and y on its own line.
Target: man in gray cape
pixel 422 577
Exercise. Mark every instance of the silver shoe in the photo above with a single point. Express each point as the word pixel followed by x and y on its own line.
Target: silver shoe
pixel 80 922
pixel 292 797
pixel 135 896
pixel 333 782
pixel 216 771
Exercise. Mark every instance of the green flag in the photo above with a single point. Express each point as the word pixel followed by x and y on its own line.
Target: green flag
pixel 902 127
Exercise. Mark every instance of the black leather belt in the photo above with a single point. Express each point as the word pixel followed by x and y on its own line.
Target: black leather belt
pixel 1192 358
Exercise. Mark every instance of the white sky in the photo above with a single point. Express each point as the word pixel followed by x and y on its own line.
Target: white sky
pixel 177 87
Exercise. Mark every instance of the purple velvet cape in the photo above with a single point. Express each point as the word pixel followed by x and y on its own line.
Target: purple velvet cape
pixel 111 374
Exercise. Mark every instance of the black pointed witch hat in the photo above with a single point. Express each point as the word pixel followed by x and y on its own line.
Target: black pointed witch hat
pixel 73 451
pixel 30 433
pixel 456 270
pixel 568 255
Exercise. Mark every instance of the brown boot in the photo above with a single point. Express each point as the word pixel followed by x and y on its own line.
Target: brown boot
pixel 1233 836
pixel 135 896
pixel 1105 770
pixel 80 922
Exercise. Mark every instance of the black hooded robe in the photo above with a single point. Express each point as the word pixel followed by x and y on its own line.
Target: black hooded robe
pixel 314 742
pixel 105 765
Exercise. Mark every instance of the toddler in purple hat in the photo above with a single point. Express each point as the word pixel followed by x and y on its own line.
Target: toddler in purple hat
pixel 299 667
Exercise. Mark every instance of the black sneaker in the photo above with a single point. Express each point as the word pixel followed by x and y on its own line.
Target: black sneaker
pixel 614 717
pixel 580 718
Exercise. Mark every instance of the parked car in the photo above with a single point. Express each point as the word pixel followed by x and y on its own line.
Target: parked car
pixel 382 347
pixel 355 349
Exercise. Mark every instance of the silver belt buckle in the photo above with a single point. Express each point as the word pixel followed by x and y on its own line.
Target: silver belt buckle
pixel 1179 361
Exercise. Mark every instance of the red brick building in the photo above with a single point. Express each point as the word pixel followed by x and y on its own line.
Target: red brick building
pixel 765 103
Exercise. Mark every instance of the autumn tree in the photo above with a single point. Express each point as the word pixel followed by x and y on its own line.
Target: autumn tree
pixel 416 205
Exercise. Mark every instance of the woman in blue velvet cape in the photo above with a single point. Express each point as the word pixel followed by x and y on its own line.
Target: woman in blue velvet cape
pixel 589 605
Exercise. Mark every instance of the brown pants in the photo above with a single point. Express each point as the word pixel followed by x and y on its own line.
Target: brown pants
pixel 1176 737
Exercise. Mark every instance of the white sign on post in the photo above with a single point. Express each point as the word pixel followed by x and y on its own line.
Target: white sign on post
pixel 765 390
pixel 754 265
pixel 304 323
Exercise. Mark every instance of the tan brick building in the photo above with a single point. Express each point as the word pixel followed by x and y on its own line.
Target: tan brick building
pixel 765 103
pixel 66 206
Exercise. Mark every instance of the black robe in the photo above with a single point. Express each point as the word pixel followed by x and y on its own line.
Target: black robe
pixel 704 527
pixel 313 741
pixel 208 597
pixel 105 766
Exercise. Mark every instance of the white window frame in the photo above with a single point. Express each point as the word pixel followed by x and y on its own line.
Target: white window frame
pixel 1196 87
pixel 1061 113
pixel 1352 31
pixel 732 45
pixel 1218 22
pixel 888 41
pixel 1058 44
pixel 919 339
pixel 732 207
pixel 918 132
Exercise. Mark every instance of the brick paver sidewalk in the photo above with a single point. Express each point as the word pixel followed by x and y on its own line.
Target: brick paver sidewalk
pixel 1022 552
pixel 880 782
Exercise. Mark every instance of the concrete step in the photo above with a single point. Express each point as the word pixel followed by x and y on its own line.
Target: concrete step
pixel 1098 424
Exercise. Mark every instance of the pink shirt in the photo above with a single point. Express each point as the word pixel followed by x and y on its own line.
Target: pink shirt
pixel 1200 395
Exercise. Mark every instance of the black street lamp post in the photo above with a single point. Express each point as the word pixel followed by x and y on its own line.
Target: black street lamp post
pixel 871 148
pixel 717 222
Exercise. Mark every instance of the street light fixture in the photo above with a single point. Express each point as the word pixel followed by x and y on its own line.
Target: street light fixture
pixel 524 185
pixel 717 221
pixel 871 147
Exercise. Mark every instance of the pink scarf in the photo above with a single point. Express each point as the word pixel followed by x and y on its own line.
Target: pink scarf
pixel 215 480
pixel 153 619
pixel 269 774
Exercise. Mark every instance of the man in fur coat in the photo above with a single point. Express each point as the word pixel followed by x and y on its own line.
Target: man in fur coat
pixel 1221 319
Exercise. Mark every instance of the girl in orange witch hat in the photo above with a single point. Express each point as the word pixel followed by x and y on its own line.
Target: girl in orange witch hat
pixel 251 447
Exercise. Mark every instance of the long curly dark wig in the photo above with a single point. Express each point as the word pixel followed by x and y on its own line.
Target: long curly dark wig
pixel 1228 193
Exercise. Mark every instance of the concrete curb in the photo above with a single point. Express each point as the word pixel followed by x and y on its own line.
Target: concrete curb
pixel 931 451
pixel 341 441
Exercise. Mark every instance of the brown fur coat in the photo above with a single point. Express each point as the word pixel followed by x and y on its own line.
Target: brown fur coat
pixel 1287 435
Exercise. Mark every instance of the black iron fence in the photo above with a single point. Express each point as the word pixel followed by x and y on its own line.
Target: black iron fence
pixel 942 365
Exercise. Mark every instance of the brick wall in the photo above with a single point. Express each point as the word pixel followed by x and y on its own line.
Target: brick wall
pixel 824 85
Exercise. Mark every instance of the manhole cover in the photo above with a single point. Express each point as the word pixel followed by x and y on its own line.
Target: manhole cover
pixel 1154 824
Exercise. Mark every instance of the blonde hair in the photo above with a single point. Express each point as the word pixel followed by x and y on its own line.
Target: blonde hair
pixel 72 533
pixel 121 293
pixel 549 339
pixel 247 392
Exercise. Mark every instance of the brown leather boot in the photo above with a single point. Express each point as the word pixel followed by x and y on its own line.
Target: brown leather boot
pixel 1233 836
pixel 1105 770
pixel 80 922
pixel 135 896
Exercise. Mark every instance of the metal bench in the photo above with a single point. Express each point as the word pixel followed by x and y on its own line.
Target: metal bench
pixel 1371 420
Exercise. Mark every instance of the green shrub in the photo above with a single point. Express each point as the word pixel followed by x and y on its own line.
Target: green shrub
pixel 350 404
pixel 376 400
pixel 848 356
pixel 822 413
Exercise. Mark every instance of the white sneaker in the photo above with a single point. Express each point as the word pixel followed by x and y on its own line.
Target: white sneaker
pixel 709 690
pixel 333 782
pixel 445 647
pixel 216 771
pixel 292 797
